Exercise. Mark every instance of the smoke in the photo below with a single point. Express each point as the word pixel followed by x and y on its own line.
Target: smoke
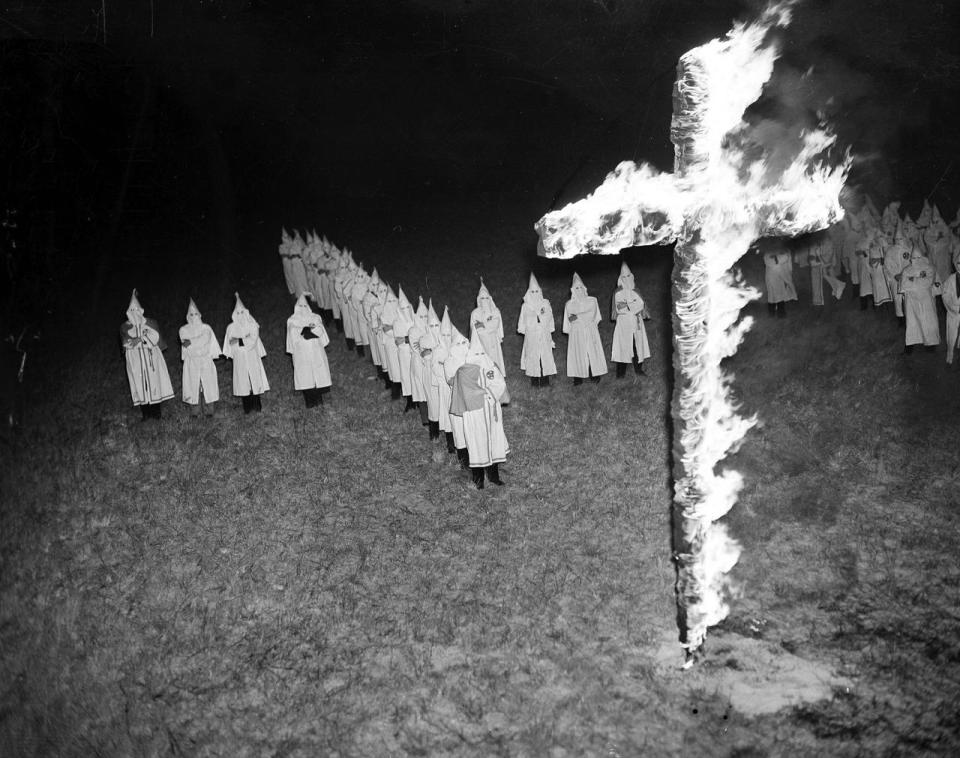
pixel 883 74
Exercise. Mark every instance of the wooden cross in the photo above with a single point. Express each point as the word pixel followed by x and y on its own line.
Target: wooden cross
pixel 725 192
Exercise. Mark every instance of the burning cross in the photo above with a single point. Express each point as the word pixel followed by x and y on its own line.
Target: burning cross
pixel 727 190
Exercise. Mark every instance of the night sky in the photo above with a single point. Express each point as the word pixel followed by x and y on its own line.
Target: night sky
pixel 250 114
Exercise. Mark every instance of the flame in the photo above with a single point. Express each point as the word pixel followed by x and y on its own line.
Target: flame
pixel 728 189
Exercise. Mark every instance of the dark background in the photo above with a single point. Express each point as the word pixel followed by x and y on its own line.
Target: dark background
pixel 173 138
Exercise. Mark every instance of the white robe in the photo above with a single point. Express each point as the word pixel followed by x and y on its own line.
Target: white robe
pixel 417 369
pixel 199 369
pixel 432 374
pixel 822 260
pixel 288 271
pixel 310 367
pixel 896 257
pixel 401 333
pixel 951 301
pixel 371 316
pixel 536 324
pixel 146 369
pixel 453 359
pixel 584 348
pixel 298 269
pixel 918 284
pixel 483 427
pixel 778 275
pixel 490 331
pixel 249 376
pixel 629 334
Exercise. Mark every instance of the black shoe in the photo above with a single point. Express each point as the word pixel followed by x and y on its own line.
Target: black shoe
pixel 434 427
pixel 308 400
pixel 463 456
pixel 534 381
pixel 772 309
pixel 928 348
pixel 621 370
pixel 864 302
pixel 477 477
pixel 360 351
pixel 544 381
pixel 781 309
pixel 577 381
pixel 410 406
pixel 908 350
pixel 350 343
pixel 396 391
pixel 451 448
pixel 493 474
pixel 638 368
pixel 145 412
pixel 595 379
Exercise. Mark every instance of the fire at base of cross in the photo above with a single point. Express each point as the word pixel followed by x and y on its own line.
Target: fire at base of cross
pixel 718 201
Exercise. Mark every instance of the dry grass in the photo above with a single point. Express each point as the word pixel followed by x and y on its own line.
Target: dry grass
pixel 328 583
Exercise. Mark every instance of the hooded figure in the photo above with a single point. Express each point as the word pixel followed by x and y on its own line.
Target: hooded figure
pixel 402 325
pixel 477 388
pixel 242 345
pixel 778 276
pixel 850 229
pixel 361 327
pixel 341 288
pixel 454 357
pixel 896 257
pixel 284 250
pixel 950 296
pixel 146 369
pixel 537 326
pixel 199 349
pixel 416 335
pixel 389 313
pixel 486 321
pixel 630 343
pixel 432 378
pixel 919 286
pixel 581 314
pixel 938 242
pixel 371 318
pixel 823 263
pixel 890 219
pixel 306 340
pixel 298 266
pixel 874 274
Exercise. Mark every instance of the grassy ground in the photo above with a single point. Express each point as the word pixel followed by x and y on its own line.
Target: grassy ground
pixel 328 582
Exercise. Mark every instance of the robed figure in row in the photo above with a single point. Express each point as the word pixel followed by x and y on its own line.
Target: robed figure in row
pixel 537 326
pixel 306 342
pixel 630 344
pixel 487 322
pixel 581 315
pixel 243 346
pixel 143 354
pixel 198 350
pixel 478 387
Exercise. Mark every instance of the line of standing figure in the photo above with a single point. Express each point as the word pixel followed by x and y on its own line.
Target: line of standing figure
pixel 893 263
pixel 457 386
